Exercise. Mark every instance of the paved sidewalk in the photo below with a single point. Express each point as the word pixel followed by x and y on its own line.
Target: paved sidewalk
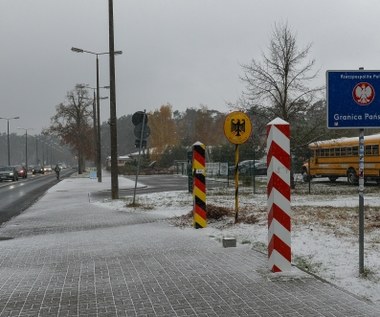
pixel 69 257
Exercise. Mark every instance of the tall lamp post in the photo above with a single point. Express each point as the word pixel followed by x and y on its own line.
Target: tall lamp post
pixel 98 148
pixel 9 146
pixel 97 134
pixel 26 145
pixel 113 118
pixel 98 140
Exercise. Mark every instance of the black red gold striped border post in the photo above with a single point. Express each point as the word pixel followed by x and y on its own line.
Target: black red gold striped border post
pixel 199 185
pixel 279 211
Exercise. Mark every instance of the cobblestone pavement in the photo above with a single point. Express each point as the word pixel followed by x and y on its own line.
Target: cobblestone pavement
pixel 67 257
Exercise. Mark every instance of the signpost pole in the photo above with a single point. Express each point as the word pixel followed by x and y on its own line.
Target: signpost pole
pixel 352 102
pixel 237 129
pixel 361 201
pixel 139 157
pixel 236 177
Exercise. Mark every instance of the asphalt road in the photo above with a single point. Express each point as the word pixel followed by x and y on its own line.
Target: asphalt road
pixel 15 197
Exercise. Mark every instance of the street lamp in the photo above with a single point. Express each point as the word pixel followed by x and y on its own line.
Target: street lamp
pixel 99 172
pixel 26 145
pixel 97 134
pixel 98 140
pixel 9 147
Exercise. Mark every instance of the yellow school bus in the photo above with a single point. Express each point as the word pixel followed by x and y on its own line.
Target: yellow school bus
pixel 340 158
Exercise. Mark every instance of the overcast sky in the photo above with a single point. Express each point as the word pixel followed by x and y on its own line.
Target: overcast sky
pixel 185 52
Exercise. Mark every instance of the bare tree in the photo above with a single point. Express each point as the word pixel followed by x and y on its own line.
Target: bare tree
pixel 72 123
pixel 278 85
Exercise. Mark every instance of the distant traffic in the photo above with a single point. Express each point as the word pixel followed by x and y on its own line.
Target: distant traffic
pixel 15 172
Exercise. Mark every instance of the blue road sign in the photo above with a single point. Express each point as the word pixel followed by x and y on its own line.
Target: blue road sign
pixel 353 99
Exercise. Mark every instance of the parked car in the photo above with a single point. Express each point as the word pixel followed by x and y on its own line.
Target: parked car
pixel 8 173
pixel 245 166
pixel 21 171
pixel 37 170
pixel 248 167
pixel 260 168
pixel 253 168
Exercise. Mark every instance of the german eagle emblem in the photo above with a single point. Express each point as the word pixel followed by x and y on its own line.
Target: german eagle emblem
pixel 237 126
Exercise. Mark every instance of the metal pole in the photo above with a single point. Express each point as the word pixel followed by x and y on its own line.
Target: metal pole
pixel 9 147
pixel 236 182
pixel 43 154
pixel 94 126
pixel 361 201
pixel 308 175
pixel 26 149
pixel 8 139
pixel 113 120
pixel 36 150
pixel 98 146
pixel 139 158
pixel 254 172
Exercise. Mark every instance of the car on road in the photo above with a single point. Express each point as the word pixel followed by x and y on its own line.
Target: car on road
pixel 21 171
pixel 37 170
pixel 8 173
pixel 47 169
pixel 62 165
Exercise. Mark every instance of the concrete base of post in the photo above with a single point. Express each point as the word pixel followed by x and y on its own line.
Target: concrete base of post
pixel 229 242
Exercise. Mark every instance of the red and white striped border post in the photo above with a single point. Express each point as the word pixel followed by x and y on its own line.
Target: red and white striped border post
pixel 278 192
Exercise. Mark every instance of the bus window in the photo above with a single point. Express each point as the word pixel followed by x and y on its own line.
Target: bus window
pixel 355 150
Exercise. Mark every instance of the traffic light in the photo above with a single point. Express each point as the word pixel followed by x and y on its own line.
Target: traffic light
pixel 142 130
pixel 138 117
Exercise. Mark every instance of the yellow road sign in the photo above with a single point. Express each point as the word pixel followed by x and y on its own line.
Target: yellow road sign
pixel 237 127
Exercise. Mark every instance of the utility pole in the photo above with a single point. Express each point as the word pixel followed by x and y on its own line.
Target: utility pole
pixel 113 118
